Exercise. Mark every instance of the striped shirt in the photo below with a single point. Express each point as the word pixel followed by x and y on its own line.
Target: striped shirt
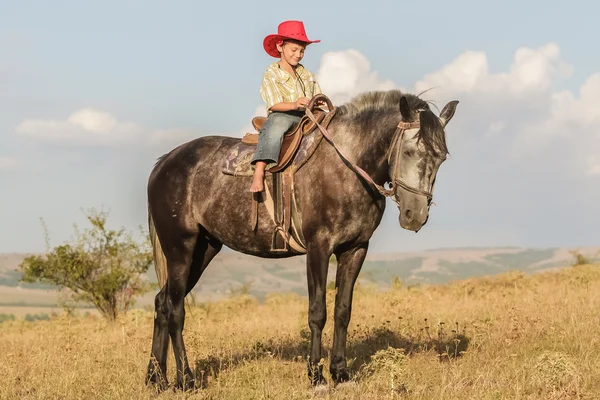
pixel 279 86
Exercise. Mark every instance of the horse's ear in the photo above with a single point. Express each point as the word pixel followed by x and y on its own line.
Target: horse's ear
pixel 407 114
pixel 448 112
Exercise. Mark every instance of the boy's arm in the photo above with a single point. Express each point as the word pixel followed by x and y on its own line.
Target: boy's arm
pixel 289 105
pixel 272 97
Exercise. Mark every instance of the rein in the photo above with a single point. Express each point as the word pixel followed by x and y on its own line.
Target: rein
pixel 398 136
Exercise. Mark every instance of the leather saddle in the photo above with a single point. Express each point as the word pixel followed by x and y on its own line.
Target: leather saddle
pixel 281 203
pixel 291 139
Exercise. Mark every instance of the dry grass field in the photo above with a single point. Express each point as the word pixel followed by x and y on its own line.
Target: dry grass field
pixel 512 336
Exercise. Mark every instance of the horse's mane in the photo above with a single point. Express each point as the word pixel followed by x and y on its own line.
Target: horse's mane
pixel 384 106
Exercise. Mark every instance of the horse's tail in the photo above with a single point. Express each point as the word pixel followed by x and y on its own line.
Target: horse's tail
pixel 160 261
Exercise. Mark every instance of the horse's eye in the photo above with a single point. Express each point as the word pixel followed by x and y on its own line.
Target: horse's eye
pixel 408 153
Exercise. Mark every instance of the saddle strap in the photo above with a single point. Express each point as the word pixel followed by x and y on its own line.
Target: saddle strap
pixel 295 216
pixel 280 214
pixel 269 204
pixel 287 205
pixel 254 216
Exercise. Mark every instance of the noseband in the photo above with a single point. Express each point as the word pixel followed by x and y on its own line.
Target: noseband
pixel 395 181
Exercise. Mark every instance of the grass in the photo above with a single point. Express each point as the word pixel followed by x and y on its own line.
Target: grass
pixel 512 336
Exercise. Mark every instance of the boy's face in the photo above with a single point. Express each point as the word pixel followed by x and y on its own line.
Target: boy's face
pixel 292 52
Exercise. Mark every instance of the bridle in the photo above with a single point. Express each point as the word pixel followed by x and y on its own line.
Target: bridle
pixel 401 128
pixel 396 149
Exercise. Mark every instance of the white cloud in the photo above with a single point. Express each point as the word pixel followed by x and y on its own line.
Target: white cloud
pixel 466 73
pixel 93 121
pixel 88 127
pixel 567 109
pixel 568 130
pixel 519 112
pixel 593 165
pixel 532 71
pixel 345 74
pixel 7 163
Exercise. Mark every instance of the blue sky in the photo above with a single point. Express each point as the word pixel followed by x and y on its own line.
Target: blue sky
pixel 523 169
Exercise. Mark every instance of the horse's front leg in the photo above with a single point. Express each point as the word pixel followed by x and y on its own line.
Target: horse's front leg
pixel 349 264
pixel 317 263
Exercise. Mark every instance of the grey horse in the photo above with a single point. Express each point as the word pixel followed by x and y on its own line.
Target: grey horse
pixel 194 209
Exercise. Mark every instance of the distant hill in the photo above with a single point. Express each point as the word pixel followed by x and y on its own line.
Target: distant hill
pixel 233 271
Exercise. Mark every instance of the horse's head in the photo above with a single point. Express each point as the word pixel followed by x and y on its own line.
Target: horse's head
pixel 418 150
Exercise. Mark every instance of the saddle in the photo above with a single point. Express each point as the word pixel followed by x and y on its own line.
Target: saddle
pixel 299 144
pixel 291 139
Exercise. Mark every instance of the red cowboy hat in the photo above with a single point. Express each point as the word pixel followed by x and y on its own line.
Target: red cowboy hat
pixel 286 30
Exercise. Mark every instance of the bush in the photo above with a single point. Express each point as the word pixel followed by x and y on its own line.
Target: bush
pixel 36 317
pixel 579 259
pixel 102 267
pixel 6 317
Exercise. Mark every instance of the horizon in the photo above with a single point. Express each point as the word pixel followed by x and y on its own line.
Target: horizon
pixel 376 254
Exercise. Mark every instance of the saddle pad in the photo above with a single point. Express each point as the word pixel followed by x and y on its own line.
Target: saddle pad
pixel 237 160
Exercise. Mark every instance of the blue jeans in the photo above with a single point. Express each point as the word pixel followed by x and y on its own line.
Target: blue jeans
pixel 271 135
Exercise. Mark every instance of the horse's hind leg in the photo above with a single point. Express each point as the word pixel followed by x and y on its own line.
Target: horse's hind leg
pixel 184 271
pixel 178 248
pixel 157 366
pixel 207 248
pixel 187 257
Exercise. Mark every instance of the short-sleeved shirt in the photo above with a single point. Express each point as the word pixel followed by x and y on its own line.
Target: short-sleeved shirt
pixel 279 86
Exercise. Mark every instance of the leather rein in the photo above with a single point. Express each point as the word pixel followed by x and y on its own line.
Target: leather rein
pixel 395 181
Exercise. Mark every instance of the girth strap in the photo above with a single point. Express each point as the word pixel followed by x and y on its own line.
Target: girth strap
pixel 269 204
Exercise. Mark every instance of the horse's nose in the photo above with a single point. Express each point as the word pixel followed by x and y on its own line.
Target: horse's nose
pixel 408 214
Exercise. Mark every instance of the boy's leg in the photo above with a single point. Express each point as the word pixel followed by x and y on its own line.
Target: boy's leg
pixel 269 145
pixel 258 177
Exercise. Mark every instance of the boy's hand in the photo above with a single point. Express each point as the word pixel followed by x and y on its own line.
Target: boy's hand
pixel 302 102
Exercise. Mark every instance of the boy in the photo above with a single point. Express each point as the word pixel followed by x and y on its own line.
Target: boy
pixel 287 88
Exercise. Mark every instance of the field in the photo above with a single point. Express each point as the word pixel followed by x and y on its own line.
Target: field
pixel 511 336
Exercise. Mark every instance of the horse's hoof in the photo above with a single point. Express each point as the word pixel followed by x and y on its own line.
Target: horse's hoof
pixel 158 384
pixel 340 376
pixel 187 384
pixel 155 377
pixel 321 390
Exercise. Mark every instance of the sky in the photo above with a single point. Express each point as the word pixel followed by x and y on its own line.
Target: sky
pixel 91 93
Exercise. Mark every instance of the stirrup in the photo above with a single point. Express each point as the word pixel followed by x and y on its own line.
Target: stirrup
pixel 279 230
